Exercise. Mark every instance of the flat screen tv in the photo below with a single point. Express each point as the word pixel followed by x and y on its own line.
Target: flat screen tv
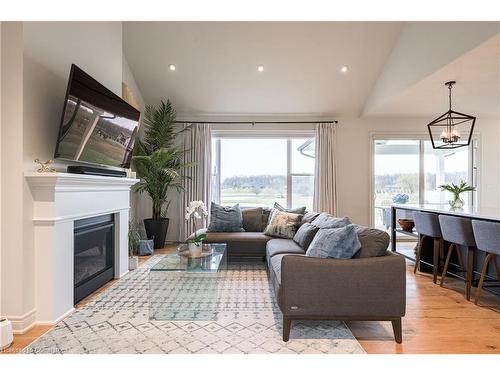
pixel 97 126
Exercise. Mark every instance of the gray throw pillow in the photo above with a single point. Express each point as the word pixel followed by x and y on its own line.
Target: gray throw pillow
pixel 298 210
pixel 282 224
pixel 339 243
pixel 374 242
pixel 309 217
pixel 225 219
pixel 325 220
pixel 252 219
pixel 305 235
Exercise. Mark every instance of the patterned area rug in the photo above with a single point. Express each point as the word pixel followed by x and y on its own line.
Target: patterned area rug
pixel 243 318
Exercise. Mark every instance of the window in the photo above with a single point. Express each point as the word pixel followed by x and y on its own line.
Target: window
pixel 412 169
pixel 260 171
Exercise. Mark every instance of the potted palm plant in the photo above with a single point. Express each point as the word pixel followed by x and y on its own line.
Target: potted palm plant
pixel 456 190
pixel 159 164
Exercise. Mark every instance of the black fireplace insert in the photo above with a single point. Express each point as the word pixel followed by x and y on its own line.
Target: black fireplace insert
pixel 94 254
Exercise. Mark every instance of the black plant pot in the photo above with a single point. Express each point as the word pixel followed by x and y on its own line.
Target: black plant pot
pixel 156 229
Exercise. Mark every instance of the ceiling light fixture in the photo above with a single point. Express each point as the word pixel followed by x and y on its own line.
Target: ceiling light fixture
pixel 344 69
pixel 260 68
pixel 171 67
pixel 451 129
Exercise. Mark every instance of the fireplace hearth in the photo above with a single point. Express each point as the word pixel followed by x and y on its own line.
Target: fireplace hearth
pixel 93 254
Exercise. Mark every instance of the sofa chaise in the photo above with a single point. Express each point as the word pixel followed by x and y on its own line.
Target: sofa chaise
pixel 369 287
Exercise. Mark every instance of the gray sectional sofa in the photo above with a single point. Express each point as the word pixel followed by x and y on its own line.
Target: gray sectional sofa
pixel 369 287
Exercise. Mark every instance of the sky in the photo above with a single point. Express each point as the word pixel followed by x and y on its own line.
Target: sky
pixel 257 156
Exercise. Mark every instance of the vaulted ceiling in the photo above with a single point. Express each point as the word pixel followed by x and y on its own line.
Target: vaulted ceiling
pixel 390 70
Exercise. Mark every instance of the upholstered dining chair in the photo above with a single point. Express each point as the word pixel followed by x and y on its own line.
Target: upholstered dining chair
pixel 458 232
pixel 427 225
pixel 487 235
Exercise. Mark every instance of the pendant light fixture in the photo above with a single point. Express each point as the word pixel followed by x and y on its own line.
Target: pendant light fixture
pixel 452 129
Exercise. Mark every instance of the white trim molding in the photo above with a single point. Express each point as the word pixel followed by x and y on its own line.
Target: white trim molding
pixel 58 200
pixel 22 323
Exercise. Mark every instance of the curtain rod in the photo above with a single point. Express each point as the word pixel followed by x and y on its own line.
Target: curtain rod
pixel 258 122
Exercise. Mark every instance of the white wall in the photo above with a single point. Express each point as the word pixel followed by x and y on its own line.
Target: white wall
pixel 0 167
pixel 49 50
pixel 17 299
pixel 353 159
pixel 38 62
pixel 138 202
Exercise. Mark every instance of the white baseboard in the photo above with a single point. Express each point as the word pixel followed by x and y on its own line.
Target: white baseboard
pixel 23 323
pixel 57 320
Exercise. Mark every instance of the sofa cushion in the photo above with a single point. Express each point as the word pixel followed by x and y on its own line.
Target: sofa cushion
pixel 305 235
pixel 298 210
pixel 282 224
pixel 223 237
pixel 325 220
pixel 282 246
pixel 374 242
pixel 339 243
pixel 309 217
pixel 225 219
pixel 252 219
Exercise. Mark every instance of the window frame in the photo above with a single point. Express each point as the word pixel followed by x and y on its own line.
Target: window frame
pixel 288 136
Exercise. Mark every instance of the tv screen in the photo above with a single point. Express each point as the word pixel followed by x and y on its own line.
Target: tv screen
pixel 97 126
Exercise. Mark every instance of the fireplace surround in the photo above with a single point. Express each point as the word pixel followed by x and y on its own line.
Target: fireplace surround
pixel 60 202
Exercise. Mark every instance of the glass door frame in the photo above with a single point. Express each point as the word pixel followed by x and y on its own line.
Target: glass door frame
pixel 473 168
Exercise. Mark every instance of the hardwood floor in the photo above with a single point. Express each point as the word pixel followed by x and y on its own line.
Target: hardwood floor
pixel 438 320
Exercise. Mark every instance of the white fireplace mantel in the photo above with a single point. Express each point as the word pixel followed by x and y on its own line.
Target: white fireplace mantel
pixel 58 200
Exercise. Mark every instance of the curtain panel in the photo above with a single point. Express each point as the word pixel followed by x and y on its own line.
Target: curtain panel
pixel 325 192
pixel 197 144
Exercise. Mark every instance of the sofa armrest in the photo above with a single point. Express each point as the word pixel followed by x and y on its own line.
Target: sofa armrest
pixel 368 287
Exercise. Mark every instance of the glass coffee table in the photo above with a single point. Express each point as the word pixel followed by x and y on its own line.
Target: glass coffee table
pixel 186 288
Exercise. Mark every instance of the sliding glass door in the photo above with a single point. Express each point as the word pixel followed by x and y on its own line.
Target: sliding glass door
pixel 411 171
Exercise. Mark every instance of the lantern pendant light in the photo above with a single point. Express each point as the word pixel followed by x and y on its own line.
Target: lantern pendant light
pixel 452 129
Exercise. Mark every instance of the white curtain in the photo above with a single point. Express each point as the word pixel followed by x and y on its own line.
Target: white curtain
pixel 325 192
pixel 198 150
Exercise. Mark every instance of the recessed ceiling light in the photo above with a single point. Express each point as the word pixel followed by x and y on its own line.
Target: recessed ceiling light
pixel 171 67
pixel 260 68
pixel 344 69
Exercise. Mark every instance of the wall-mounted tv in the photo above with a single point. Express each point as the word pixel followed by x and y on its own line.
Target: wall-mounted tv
pixel 97 126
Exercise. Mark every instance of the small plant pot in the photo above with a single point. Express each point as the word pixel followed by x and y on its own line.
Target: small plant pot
pixel 133 262
pixel 195 249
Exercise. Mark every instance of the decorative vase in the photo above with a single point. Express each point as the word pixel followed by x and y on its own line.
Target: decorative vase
pixel 195 249
pixel 456 202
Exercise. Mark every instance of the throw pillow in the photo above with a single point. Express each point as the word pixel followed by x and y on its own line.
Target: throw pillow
pixel 298 210
pixel 282 224
pixel 252 219
pixel 305 235
pixel 266 214
pixel 225 219
pixel 325 220
pixel 374 242
pixel 309 217
pixel 339 243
